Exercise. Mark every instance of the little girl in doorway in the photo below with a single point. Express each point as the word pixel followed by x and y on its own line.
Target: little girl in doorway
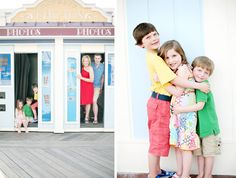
pixel 182 126
pixel 20 116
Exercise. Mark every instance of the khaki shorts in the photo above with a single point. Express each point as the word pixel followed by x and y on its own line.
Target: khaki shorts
pixel 210 146
pixel 96 94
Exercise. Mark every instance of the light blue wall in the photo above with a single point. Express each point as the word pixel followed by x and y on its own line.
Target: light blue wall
pixel 174 19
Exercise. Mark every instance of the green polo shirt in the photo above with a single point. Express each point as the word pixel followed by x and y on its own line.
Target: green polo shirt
pixel 28 111
pixel 207 119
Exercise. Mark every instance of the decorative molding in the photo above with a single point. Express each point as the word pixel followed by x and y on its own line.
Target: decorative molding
pixel 59 11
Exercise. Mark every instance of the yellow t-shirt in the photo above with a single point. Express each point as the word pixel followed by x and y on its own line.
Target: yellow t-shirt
pixel 156 65
pixel 35 96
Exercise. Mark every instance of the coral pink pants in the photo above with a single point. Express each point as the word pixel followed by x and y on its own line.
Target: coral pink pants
pixel 158 125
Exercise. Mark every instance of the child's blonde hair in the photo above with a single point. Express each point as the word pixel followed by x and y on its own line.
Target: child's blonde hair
pixel 18 103
pixel 203 62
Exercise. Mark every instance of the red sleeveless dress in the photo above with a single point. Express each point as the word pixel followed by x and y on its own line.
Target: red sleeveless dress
pixel 86 89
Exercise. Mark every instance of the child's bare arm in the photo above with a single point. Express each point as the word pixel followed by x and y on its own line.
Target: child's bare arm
pixel 196 107
pixel 173 90
pixel 16 113
pixel 179 81
pixel 184 73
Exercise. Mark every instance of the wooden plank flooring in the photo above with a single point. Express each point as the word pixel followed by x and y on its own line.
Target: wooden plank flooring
pixel 48 155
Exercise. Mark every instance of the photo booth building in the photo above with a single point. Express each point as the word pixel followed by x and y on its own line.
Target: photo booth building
pixel 43 43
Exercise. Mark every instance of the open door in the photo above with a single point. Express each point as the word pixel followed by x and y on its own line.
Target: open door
pixel 26 76
pixel 100 96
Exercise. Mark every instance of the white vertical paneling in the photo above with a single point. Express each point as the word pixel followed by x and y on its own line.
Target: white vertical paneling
pixel 122 85
pixel 58 86
pixel 231 12
pixel 122 114
pixel 219 46
pixel 109 93
pixel 219 30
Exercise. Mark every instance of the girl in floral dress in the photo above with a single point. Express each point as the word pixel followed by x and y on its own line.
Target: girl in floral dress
pixel 182 126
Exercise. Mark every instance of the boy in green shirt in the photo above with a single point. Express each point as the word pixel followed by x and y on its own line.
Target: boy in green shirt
pixel 27 110
pixel 208 126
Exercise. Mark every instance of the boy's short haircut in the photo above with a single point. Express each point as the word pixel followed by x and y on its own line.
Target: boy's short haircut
pixel 29 98
pixel 203 62
pixel 34 85
pixel 142 30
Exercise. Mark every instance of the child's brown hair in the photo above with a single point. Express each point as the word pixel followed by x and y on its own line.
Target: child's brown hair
pixel 142 30
pixel 28 98
pixel 172 44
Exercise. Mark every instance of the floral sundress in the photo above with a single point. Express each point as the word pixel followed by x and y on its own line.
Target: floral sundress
pixel 183 126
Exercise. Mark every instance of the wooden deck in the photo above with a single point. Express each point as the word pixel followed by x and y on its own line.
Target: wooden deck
pixel 48 155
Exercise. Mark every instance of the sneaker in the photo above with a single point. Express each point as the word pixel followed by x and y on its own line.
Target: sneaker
pixel 174 176
pixel 165 174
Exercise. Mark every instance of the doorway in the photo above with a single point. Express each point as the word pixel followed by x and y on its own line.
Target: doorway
pixel 100 99
pixel 26 78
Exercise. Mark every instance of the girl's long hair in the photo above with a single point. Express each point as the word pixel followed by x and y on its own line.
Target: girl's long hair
pixel 172 44
pixel 18 103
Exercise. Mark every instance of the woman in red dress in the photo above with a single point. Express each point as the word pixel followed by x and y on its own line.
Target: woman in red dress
pixel 86 85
